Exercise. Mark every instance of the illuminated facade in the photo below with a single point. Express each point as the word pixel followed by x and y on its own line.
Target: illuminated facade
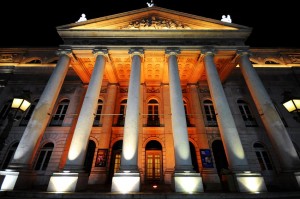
pixel 150 97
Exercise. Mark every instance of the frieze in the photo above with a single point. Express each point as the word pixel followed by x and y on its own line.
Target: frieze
pixel 154 22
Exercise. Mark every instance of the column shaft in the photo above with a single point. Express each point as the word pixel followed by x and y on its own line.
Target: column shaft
pixel 229 134
pixel 85 121
pixel 180 134
pixel 131 127
pixel 275 128
pixel 41 114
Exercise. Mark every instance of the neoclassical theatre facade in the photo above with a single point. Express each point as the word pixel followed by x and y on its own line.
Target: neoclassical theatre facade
pixel 150 99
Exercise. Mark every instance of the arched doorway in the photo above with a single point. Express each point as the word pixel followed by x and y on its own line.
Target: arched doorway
pixel 89 157
pixel 194 157
pixel 153 162
pixel 219 156
pixel 115 160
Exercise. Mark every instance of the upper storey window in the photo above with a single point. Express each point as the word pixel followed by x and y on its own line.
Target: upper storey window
pixel 28 114
pixel 246 114
pixel 153 117
pixel 121 118
pixel 186 114
pixel 59 116
pixel 210 115
pixel 97 119
pixel 4 111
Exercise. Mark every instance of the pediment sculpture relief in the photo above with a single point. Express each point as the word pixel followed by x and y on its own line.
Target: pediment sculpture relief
pixel 154 22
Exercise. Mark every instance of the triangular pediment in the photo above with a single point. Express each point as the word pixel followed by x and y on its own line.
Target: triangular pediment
pixel 152 18
pixel 145 26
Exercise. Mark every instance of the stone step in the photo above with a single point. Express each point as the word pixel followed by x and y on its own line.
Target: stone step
pixel 149 195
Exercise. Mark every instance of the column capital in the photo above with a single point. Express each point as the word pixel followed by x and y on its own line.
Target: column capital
pixel 208 51
pixel 172 51
pixel 136 51
pixel 100 51
pixel 67 52
pixel 241 52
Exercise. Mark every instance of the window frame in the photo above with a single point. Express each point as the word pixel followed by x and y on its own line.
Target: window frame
pixel 60 113
pixel 210 114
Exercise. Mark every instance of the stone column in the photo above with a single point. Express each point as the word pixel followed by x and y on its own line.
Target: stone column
pixel 129 156
pixel 276 130
pixel 183 160
pixel 230 137
pixel 232 144
pixel 37 124
pixel 75 179
pixel 183 164
pixel 131 126
pixel 77 151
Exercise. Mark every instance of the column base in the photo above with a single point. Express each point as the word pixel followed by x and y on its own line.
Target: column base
pixel 211 180
pixel 297 176
pixel 17 180
pixel 68 182
pixel 188 182
pixel 126 182
pixel 247 182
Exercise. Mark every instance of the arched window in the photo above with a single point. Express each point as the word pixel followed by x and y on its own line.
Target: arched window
pixel 153 117
pixel 121 118
pixel 98 114
pixel 28 113
pixel 59 116
pixel 9 155
pixel 44 157
pixel 210 114
pixel 4 111
pixel 246 114
pixel 262 157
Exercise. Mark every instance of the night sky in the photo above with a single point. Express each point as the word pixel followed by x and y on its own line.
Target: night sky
pixel 33 23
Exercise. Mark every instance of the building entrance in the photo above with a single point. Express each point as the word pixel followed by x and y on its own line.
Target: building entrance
pixel 153 165
pixel 153 162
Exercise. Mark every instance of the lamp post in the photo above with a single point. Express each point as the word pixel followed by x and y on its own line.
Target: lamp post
pixel 292 104
pixel 17 104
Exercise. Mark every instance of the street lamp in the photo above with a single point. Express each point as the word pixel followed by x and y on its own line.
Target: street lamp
pixel 18 103
pixel 292 104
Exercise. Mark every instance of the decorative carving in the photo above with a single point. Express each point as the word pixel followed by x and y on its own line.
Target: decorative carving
pixel 153 90
pixel 295 58
pixel 154 22
pixel 123 90
pixel 205 90
pixel 103 90
pixel 7 58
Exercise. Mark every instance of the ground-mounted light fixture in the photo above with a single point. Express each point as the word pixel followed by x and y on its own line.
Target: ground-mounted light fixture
pixel 292 104
pixel 18 104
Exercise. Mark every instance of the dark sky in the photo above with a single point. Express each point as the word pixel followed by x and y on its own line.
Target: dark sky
pixel 33 23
